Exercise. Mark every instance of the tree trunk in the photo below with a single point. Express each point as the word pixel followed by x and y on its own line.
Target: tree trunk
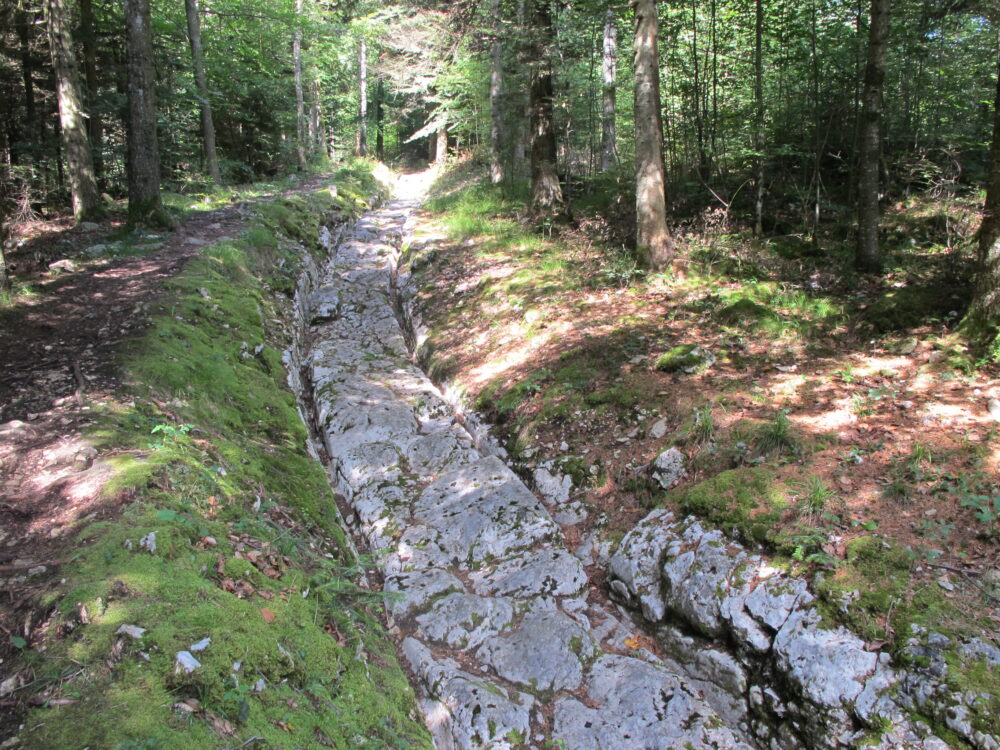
pixel 868 256
pixel 655 247
pixel 609 79
pixel 363 99
pixel 198 58
pixel 144 204
pixel 496 99
pixel 379 120
pixel 758 136
pixel 25 26
pixel 441 145
pixel 982 322
pixel 300 106
pixel 4 218
pixel 95 129
pixel 546 193
pixel 317 125
pixel 82 182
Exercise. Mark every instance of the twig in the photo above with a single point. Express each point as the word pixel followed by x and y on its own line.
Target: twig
pixel 952 569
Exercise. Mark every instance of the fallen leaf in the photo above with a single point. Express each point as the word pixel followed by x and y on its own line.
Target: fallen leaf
pixel 632 641
pixel 267 614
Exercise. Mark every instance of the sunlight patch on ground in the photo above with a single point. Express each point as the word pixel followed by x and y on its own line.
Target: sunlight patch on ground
pixel 832 420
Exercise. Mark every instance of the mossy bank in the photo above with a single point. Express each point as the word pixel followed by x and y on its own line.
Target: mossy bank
pixel 220 605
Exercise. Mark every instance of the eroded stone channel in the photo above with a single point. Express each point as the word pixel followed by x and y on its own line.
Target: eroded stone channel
pixel 507 644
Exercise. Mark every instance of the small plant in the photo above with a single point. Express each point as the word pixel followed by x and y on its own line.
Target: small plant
pixel 986 510
pixel 936 531
pixel 814 496
pixel 778 436
pixel 168 434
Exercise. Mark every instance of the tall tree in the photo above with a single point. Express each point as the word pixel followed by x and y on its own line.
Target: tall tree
pixel 546 193
pixel 198 60
pixel 95 128
pixel 72 121
pixel 982 322
pixel 655 246
pixel 300 105
pixel 758 136
pixel 144 203
pixel 609 81
pixel 496 98
pixel 363 98
pixel 868 257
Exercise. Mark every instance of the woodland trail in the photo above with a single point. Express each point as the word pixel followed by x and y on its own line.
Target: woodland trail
pixel 508 643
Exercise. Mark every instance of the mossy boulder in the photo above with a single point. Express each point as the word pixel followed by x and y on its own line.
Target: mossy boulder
pixel 743 311
pixel 747 501
pixel 691 359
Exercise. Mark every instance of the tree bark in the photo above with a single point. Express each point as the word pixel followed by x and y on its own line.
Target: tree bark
pixel 609 80
pixel 546 193
pixel 653 241
pixel 363 99
pixel 144 204
pixel 758 136
pixel 25 25
pixel 300 106
pixel 198 59
pixel 317 125
pixel 80 161
pixel 379 119
pixel 496 99
pixel 868 257
pixel 982 322
pixel 95 129
pixel 441 145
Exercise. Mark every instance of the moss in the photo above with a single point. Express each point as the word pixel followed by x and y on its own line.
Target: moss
pixel 746 313
pixel 748 501
pixel 219 451
pixel 911 306
pixel 689 358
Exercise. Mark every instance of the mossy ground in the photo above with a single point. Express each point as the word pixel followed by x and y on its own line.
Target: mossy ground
pixel 211 458
pixel 826 388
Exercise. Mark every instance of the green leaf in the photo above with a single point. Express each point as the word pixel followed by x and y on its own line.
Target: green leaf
pixel 18 642
pixel 165 515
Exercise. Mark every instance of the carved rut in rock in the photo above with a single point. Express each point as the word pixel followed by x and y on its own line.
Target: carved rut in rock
pixel 491 609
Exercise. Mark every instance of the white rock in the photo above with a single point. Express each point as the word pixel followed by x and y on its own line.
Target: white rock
pixel 186 662
pixel 133 631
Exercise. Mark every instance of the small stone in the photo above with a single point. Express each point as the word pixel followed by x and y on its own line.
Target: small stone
pixel 564 446
pixel 37 570
pixel 132 631
pixel 258 687
pixel 993 406
pixel 659 429
pixel 62 266
pixel 668 468
pixel 945 583
pixel 200 645
pixel 98 249
pixel 148 542
pixel 89 226
pixel 186 662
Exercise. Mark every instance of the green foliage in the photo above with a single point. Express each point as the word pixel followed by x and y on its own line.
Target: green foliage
pixel 689 358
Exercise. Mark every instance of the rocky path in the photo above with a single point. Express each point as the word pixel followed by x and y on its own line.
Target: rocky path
pixel 492 610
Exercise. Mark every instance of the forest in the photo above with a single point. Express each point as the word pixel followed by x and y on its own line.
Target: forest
pixel 777 118
pixel 699 299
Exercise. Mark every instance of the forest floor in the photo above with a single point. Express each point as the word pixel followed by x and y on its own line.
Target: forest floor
pixel 830 408
pixel 127 390
pixel 80 294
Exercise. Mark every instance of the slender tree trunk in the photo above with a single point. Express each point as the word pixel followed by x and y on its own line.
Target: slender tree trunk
pixel 379 119
pixel 198 59
pixel 496 99
pixel 300 106
pixel 609 81
pixel 546 193
pixel 24 28
pixel 144 204
pixel 4 229
pixel 519 158
pixel 868 256
pixel 363 98
pixel 653 240
pixel 982 322
pixel 758 92
pixel 82 182
pixel 95 128
pixel 441 145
